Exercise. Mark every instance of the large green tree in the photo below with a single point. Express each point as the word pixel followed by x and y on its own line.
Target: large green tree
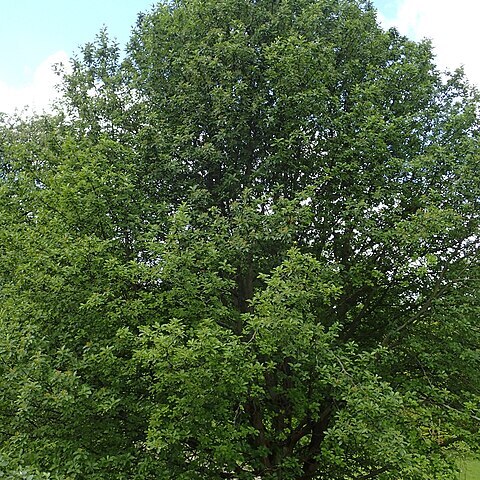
pixel 246 250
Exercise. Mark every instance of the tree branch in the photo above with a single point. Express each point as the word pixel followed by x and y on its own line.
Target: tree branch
pixel 373 473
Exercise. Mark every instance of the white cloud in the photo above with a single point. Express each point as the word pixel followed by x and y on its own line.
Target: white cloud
pixel 452 27
pixel 38 94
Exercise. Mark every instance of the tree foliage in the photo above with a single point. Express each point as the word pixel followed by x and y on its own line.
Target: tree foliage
pixel 246 249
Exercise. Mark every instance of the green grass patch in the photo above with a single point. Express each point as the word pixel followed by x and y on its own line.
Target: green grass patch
pixel 470 470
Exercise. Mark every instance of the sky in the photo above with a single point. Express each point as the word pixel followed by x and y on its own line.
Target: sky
pixel 35 34
pixel 452 25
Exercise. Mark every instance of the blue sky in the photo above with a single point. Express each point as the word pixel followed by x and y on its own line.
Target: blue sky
pixel 387 7
pixel 34 34
pixel 31 30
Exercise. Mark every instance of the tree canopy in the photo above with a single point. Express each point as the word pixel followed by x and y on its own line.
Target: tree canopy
pixel 245 249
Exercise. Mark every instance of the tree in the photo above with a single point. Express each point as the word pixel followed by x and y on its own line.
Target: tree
pixel 247 250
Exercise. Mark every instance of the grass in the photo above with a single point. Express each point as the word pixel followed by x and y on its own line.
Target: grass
pixel 470 470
